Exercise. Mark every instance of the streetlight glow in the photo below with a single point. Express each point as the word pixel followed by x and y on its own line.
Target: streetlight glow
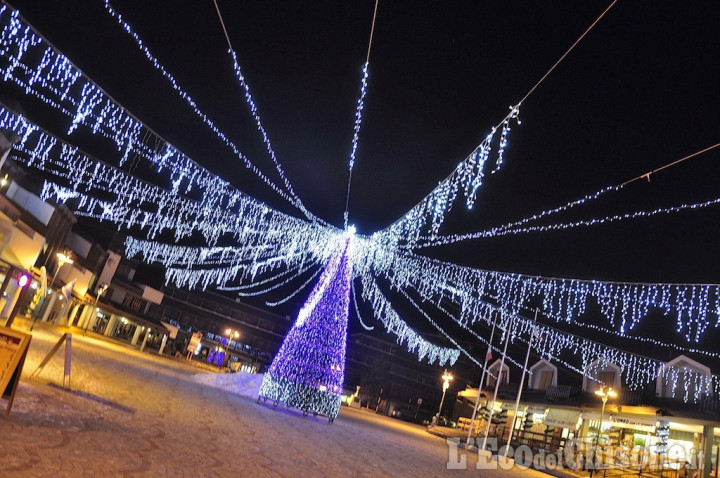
pixel 446 380
pixel 603 392
pixel 447 376
pixel 63 258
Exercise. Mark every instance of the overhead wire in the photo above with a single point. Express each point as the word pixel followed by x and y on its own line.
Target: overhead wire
pixel 512 227
pixel 266 139
pixel 291 197
pixel 358 118
pixel 514 109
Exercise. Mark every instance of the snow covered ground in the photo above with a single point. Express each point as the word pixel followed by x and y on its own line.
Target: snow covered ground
pixel 243 384
pixel 136 414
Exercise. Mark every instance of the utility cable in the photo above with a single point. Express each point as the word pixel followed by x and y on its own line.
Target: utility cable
pixel 514 110
pixel 358 117
pixel 266 139
pixel 513 227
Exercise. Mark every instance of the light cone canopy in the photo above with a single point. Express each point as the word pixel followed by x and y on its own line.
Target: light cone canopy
pixel 309 370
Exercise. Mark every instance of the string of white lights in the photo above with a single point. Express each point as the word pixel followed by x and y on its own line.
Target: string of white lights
pixel 623 304
pixel 596 221
pixel 492 232
pixel 204 278
pixel 638 370
pixel 649 340
pixel 295 292
pixel 254 284
pixel 193 105
pixel 613 218
pixel 596 357
pixel 183 217
pixel 450 239
pixel 277 285
pixel 638 338
pixel 397 326
pixel 410 226
pixel 358 116
pixel 356 134
pixel 189 257
pixel 357 309
pixel 134 203
pixel 467 177
pixel 48 75
pixel 514 113
pixel 277 239
pixel 474 333
pixel 246 263
pixel 253 110
pixel 440 329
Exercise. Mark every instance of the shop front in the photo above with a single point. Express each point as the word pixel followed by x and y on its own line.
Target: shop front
pixel 649 442
pixel 107 320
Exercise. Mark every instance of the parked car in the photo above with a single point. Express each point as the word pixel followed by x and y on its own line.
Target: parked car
pixel 411 414
pixel 446 422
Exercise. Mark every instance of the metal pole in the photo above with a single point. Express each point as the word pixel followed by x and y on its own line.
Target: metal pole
pixel 101 290
pixel 497 381
pixel 597 437
pixel 482 377
pixel 441 403
pixel 522 382
pixel 49 292
pixel 16 308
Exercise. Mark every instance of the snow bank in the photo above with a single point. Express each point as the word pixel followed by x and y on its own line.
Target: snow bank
pixel 240 383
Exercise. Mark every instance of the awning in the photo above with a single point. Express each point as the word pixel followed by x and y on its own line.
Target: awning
pixel 562 418
pixel 106 307
pixel 470 394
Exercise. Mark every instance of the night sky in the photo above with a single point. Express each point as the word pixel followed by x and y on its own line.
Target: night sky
pixel 640 91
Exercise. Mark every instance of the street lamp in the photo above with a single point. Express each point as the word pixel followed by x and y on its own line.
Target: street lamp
pixel 446 384
pixel 63 258
pixel 100 291
pixel 230 335
pixel 604 392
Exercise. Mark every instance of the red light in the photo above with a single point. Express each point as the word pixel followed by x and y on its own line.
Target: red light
pixel 23 280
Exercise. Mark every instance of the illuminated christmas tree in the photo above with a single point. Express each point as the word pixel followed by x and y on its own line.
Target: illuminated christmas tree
pixel 309 370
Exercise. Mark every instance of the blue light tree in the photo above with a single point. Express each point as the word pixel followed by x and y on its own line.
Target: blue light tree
pixel 308 371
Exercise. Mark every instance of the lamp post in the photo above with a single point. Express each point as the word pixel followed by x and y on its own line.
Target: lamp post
pixel 100 291
pixel 230 335
pixel 446 384
pixel 63 258
pixel 603 392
